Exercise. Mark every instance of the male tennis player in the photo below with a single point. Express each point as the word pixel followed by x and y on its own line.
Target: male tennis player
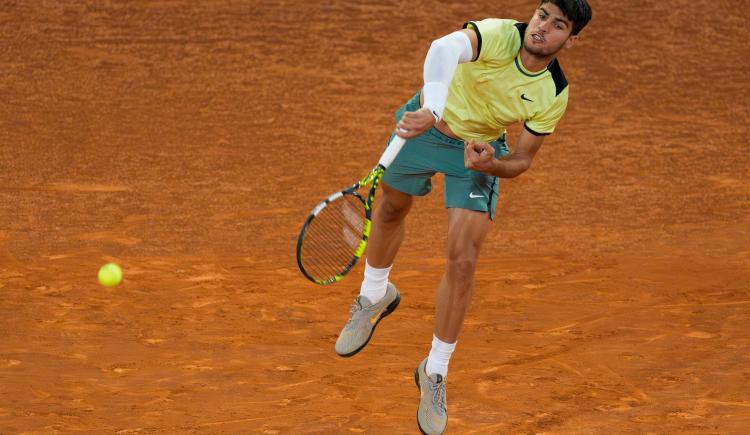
pixel 477 81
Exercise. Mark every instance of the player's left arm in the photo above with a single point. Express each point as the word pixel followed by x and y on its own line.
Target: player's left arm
pixel 479 156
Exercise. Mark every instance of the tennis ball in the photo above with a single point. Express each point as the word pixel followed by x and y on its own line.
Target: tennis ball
pixel 110 275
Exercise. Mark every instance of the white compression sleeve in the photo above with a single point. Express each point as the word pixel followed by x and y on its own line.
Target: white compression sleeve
pixel 442 59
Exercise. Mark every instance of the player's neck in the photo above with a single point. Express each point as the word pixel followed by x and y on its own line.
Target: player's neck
pixel 533 62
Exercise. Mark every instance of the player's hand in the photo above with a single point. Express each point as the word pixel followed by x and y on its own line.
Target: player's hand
pixel 479 156
pixel 412 124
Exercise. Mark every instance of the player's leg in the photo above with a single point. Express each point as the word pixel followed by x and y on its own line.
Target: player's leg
pixel 467 230
pixel 408 176
pixel 378 298
pixel 388 226
pixel 471 199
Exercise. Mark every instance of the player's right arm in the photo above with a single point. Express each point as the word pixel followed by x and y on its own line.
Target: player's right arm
pixel 440 64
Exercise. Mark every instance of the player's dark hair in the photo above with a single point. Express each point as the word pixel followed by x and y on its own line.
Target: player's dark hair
pixel 577 11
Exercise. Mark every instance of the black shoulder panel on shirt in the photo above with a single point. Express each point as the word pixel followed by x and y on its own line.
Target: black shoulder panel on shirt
pixel 557 75
pixel 521 27
pixel 535 133
pixel 479 37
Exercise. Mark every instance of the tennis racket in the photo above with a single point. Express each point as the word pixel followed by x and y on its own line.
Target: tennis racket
pixel 335 235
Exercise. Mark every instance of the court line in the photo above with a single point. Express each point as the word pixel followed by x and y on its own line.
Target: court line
pixel 722 402
pixel 243 420
pixel 712 304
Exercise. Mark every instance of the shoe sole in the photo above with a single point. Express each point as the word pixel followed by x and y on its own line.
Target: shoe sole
pixel 416 381
pixel 391 307
pixel 419 387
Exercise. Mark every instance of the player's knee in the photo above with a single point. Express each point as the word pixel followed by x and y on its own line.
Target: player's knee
pixel 393 207
pixel 389 212
pixel 461 266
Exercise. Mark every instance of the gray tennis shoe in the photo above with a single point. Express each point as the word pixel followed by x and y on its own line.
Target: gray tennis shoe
pixel 432 415
pixel 364 317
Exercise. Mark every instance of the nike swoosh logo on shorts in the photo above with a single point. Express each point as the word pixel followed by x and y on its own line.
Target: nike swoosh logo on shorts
pixel 471 195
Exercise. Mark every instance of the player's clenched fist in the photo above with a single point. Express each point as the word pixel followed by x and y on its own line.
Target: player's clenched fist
pixel 479 156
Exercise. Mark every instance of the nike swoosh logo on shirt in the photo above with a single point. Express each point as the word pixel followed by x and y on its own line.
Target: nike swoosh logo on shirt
pixel 523 97
pixel 471 195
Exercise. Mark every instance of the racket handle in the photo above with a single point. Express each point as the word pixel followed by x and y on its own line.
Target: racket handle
pixel 392 150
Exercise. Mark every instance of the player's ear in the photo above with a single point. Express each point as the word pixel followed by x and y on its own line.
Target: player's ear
pixel 571 41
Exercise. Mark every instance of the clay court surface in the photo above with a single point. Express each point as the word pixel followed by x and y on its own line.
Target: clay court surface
pixel 188 141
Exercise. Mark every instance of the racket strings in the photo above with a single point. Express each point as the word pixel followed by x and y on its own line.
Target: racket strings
pixel 333 237
pixel 329 248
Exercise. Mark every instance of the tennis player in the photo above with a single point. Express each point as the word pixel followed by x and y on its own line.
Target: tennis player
pixel 477 82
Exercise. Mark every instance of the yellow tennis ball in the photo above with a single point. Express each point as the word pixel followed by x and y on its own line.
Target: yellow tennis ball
pixel 110 275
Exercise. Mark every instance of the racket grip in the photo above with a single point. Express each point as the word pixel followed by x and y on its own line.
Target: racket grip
pixel 392 150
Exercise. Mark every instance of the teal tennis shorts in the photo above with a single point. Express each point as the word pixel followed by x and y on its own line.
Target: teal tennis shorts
pixel 432 152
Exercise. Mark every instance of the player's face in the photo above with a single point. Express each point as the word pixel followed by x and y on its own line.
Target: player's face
pixel 548 32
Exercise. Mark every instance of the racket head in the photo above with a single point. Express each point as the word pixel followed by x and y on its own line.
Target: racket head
pixel 334 236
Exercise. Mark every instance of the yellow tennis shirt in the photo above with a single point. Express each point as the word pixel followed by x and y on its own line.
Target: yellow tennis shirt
pixel 495 90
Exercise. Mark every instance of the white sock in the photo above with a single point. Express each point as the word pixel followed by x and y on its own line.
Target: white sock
pixel 440 355
pixel 375 283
